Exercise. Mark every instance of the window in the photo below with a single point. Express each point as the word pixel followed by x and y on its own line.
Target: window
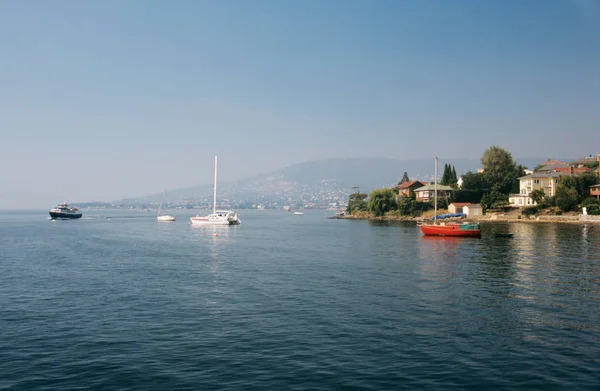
pixel 520 201
pixel 536 181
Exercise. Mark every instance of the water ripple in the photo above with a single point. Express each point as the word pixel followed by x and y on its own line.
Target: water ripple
pixel 283 303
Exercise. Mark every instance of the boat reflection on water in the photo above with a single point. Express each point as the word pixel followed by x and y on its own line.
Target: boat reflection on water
pixel 206 232
pixel 441 248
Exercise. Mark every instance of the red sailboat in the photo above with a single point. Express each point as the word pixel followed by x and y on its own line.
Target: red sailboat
pixel 448 229
pixel 452 229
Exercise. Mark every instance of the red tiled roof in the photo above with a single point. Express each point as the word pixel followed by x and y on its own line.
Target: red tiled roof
pixel 551 162
pixel 409 184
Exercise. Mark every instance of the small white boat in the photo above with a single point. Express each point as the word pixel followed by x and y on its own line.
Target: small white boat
pixel 217 217
pixel 298 213
pixel 160 217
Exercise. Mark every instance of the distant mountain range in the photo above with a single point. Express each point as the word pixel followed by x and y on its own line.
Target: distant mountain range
pixel 327 178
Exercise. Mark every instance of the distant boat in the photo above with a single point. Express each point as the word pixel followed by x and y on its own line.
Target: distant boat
pixel 298 213
pixel 62 211
pixel 217 217
pixel 160 217
pixel 448 229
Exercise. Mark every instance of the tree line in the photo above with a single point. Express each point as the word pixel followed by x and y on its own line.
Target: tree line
pixel 491 188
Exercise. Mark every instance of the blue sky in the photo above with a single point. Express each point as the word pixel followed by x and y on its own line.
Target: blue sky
pixel 107 99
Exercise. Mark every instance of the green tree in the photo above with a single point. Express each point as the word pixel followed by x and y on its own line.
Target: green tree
pixel 537 196
pixel 515 187
pixel 444 180
pixel 356 203
pixel 465 195
pixel 453 178
pixel 566 198
pixel 593 209
pixel 493 200
pixel 449 175
pixel 409 206
pixel 499 170
pixel 404 205
pixel 474 181
pixel 442 203
pixel 590 201
pixel 382 201
pixel 404 178
pixel 581 183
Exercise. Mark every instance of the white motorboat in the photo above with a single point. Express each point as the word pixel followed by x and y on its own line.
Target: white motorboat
pixel 217 217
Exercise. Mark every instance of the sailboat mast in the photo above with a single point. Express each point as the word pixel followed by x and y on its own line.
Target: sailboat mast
pixel 215 189
pixel 435 191
pixel 161 203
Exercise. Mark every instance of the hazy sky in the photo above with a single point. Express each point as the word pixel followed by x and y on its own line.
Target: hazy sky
pixel 106 99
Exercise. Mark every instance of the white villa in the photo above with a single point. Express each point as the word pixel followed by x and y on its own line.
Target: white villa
pixel 546 181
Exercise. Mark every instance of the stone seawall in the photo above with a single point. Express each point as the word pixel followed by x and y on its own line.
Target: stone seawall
pixel 572 219
pixel 589 219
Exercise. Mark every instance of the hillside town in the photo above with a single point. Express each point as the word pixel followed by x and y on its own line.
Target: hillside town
pixel 268 196
pixel 465 194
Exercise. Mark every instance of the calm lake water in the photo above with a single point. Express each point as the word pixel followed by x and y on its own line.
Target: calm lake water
pixel 282 302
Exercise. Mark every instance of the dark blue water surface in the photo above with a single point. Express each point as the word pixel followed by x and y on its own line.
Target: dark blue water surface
pixel 287 302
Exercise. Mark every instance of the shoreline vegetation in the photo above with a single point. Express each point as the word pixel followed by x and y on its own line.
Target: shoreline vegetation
pixel 491 218
pixel 554 192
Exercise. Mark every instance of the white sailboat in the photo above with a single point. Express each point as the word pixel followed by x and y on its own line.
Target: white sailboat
pixel 160 217
pixel 217 217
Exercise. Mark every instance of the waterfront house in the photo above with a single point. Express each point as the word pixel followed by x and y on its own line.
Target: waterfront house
pixel 426 193
pixel 539 180
pixel 595 191
pixel 407 189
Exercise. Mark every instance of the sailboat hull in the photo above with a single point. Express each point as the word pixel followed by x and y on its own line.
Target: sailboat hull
pixel 201 221
pixel 459 230
pixel 219 218
pixel 165 218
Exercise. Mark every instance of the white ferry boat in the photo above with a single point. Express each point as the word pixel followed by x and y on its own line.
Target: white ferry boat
pixel 63 211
